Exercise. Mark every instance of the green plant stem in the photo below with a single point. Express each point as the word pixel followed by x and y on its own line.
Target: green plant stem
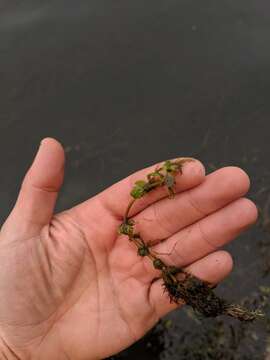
pixel 128 210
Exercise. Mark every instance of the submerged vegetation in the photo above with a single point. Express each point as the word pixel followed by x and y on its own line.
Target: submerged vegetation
pixel 179 285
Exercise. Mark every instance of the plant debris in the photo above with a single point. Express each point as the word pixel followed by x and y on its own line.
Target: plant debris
pixel 179 285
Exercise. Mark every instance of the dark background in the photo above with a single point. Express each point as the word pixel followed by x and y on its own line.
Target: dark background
pixel 123 84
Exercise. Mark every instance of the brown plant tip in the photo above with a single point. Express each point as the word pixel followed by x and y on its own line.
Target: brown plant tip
pixel 242 313
pixel 197 294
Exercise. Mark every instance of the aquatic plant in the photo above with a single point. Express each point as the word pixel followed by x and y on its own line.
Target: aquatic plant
pixel 179 284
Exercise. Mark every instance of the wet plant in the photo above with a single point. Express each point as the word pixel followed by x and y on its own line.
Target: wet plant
pixel 179 285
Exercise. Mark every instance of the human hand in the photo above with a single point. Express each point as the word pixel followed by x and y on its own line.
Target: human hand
pixel 72 288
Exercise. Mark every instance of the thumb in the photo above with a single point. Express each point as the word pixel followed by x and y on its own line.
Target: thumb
pixel 36 201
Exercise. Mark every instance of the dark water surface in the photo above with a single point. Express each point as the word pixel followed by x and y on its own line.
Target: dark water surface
pixel 124 84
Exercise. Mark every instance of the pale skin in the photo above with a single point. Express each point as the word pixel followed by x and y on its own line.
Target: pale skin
pixel 72 288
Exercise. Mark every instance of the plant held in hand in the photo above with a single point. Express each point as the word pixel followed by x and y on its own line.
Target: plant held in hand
pixel 180 285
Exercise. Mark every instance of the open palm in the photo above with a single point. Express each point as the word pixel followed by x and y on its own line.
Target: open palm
pixel 72 288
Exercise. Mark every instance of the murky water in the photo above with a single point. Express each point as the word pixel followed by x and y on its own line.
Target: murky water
pixel 127 83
